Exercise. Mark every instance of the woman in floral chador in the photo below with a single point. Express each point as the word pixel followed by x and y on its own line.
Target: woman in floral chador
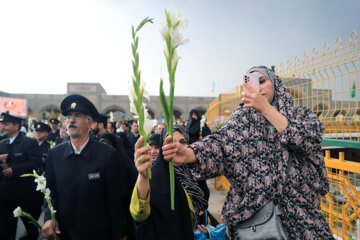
pixel 252 150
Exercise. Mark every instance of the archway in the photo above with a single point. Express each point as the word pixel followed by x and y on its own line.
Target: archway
pixel 118 113
pixel 50 111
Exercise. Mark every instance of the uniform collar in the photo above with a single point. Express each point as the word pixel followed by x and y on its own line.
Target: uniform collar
pixel 86 151
pixel 16 139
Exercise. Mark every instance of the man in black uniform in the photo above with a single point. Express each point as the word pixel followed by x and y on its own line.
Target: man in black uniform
pixel 90 186
pixel 99 125
pixel 18 155
pixel 55 132
pixel 41 135
pixel 2 134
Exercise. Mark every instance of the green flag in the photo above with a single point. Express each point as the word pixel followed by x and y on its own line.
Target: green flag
pixel 353 90
pixel 213 87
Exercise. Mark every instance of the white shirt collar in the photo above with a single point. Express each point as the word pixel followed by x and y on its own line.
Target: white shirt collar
pixel 12 139
pixel 81 148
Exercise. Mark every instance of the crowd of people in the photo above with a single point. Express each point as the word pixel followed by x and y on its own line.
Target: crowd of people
pixel 98 171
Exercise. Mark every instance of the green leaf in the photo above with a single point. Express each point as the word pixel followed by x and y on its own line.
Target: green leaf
pixel 172 184
pixel 136 42
pixel 168 18
pixel 143 22
pixel 27 175
pixel 133 32
pixel 163 101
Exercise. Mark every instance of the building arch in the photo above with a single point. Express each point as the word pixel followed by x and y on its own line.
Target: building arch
pixel 151 112
pixel 178 113
pixel 118 112
pixel 201 110
pixel 49 111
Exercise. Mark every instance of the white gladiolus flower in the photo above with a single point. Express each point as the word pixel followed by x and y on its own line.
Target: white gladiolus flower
pixel 145 93
pixel 132 94
pixel 46 192
pixel 41 183
pixel 17 212
pixel 202 121
pixel 52 210
pixel 177 38
pixel 149 125
pixel 178 17
pixel 133 108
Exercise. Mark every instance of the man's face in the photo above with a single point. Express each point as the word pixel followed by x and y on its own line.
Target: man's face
pixel 54 126
pixel 95 127
pixel 135 128
pixel 109 128
pixel 161 127
pixel 62 133
pixel 77 124
pixel 41 136
pixel 11 129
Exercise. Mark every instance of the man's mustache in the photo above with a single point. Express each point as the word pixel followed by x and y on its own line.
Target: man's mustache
pixel 72 125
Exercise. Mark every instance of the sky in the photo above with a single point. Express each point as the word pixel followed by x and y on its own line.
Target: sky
pixel 44 43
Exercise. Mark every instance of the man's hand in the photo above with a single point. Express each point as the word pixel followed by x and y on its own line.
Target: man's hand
pixel 3 157
pixel 47 230
pixel 7 172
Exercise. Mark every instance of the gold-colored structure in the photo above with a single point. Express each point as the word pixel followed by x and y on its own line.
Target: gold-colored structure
pixel 328 84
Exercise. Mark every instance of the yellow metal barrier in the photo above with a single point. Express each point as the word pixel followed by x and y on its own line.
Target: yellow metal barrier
pixel 328 84
pixel 341 206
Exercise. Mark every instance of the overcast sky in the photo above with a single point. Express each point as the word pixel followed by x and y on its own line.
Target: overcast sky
pixel 45 44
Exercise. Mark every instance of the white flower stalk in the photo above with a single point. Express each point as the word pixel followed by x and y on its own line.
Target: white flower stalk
pixel 52 144
pixel 17 212
pixel 202 123
pixel 173 38
pixel 111 117
pixel 137 90
pixel 41 186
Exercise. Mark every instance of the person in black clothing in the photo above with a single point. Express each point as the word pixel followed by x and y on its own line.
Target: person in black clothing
pixel 62 136
pixel 193 127
pixel 89 186
pixel 55 132
pixel 18 155
pixel 41 134
pixel 2 134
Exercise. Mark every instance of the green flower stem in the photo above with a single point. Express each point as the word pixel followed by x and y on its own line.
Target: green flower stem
pixel 31 219
pixel 52 217
pixel 138 100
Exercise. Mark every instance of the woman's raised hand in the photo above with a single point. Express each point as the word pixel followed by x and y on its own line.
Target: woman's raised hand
pixel 142 158
pixel 254 99
pixel 178 152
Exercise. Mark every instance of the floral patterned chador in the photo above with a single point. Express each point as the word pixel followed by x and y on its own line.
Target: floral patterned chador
pixel 253 156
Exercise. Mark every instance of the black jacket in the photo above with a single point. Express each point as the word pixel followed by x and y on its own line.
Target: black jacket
pixel 53 136
pixel 90 191
pixel 24 156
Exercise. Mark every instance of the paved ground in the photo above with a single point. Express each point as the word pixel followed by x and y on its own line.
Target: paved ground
pixel 216 203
